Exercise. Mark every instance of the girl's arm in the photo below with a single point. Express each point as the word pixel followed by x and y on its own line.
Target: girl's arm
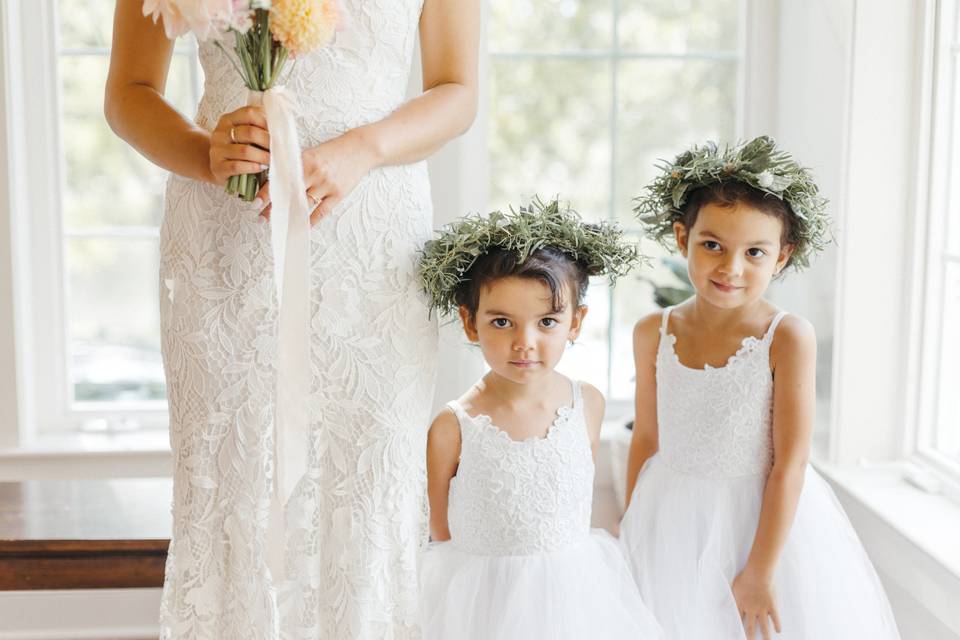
pixel 449 44
pixel 643 443
pixel 443 456
pixel 594 407
pixel 136 110
pixel 793 356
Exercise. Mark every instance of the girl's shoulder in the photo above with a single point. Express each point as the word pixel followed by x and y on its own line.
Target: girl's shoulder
pixel 646 332
pixel 792 336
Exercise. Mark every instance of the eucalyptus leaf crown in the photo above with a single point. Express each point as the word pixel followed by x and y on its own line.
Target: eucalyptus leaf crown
pixel 446 260
pixel 758 164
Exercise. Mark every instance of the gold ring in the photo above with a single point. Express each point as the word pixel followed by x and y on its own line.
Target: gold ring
pixel 315 201
pixel 233 138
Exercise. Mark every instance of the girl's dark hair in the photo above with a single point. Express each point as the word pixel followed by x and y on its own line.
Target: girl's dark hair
pixel 550 266
pixel 731 192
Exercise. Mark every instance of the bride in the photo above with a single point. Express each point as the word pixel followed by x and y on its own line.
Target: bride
pixel 351 529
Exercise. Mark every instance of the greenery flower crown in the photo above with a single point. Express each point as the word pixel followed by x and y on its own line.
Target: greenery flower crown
pixel 757 163
pixel 445 260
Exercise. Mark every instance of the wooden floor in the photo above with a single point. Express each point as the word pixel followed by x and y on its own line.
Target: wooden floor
pixel 84 534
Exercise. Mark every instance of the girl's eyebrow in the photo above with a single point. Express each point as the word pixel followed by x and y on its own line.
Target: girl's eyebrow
pixel 755 243
pixel 497 312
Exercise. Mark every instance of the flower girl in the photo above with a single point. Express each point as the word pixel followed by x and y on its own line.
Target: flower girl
pixel 729 531
pixel 510 463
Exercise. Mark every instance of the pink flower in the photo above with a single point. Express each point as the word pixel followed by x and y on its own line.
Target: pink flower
pixel 203 18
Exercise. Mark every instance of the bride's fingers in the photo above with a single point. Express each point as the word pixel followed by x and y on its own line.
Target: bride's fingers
pixel 326 206
pixel 775 616
pixel 248 115
pixel 248 153
pixel 249 134
pixel 265 214
pixel 263 195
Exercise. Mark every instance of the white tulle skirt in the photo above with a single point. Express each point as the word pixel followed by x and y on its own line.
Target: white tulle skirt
pixel 583 591
pixel 688 536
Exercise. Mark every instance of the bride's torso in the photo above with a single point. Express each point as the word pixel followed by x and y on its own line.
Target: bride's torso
pixel 360 77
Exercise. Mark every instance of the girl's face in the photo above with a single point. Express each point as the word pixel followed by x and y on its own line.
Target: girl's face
pixel 521 337
pixel 732 253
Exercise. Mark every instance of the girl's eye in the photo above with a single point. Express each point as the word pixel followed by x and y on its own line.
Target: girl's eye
pixel 755 252
pixel 549 322
pixel 711 245
pixel 500 322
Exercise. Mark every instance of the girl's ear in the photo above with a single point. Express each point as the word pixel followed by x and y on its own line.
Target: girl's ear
pixel 469 324
pixel 578 315
pixel 681 235
pixel 786 251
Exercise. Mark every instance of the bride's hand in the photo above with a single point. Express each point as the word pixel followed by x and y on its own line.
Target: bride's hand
pixel 238 144
pixel 330 172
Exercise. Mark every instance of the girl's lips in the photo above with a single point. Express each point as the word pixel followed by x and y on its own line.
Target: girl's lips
pixel 523 363
pixel 724 287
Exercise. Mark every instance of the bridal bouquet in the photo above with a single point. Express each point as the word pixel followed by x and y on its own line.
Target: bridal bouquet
pixel 266 34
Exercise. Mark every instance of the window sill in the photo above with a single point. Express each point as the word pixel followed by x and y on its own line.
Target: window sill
pixel 910 534
pixel 88 455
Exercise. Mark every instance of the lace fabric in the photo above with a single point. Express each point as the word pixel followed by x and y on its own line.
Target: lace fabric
pixel 356 520
pixel 716 421
pixel 514 497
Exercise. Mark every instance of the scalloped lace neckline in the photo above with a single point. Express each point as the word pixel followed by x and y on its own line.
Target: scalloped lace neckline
pixel 747 345
pixel 484 421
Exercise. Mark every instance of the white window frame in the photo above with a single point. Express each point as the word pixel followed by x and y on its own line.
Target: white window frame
pixel 39 240
pixel 939 121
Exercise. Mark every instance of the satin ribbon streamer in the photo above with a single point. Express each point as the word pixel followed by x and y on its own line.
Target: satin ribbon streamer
pixel 290 238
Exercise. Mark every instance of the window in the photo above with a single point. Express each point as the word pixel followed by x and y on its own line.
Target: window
pixel 585 97
pixel 96 319
pixel 939 403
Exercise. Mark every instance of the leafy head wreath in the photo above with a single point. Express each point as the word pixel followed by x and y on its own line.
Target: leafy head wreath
pixel 758 164
pixel 446 260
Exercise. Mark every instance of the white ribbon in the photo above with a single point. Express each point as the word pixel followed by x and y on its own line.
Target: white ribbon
pixel 290 237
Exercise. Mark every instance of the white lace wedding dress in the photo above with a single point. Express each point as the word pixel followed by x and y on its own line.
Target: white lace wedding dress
pixel 355 522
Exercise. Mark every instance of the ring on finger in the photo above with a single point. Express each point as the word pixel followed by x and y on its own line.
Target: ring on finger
pixel 233 137
pixel 314 200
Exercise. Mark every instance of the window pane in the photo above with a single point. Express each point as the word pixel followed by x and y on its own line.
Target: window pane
pixel 550 25
pixel 953 161
pixel 587 358
pixel 88 24
pixel 550 133
pixel 107 182
pixel 633 298
pixel 85 23
pixel 948 418
pixel 668 26
pixel 113 319
pixel 663 107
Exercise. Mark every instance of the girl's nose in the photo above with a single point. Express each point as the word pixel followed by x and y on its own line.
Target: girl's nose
pixel 732 265
pixel 523 341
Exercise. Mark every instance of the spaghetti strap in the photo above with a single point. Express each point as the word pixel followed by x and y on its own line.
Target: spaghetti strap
pixel 462 416
pixel 664 319
pixel 773 325
pixel 577 394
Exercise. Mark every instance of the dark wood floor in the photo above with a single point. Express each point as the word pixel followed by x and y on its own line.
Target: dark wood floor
pixel 84 534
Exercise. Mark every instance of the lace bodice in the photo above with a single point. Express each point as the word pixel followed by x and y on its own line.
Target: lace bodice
pixel 716 421
pixel 359 78
pixel 514 497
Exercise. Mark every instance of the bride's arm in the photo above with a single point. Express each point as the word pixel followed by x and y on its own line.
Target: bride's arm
pixel 136 110
pixel 449 42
